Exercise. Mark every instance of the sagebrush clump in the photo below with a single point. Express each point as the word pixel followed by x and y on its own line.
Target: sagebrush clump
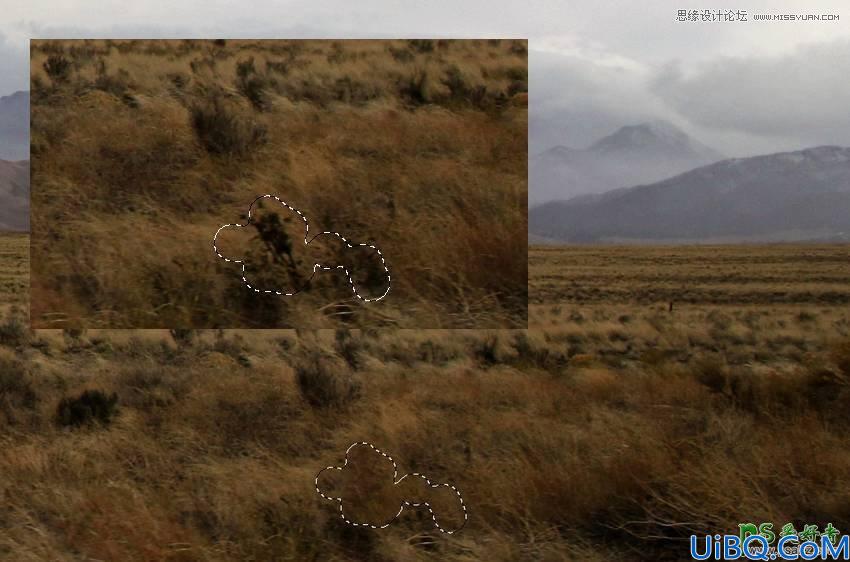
pixel 325 382
pixel 223 131
pixel 88 408
pixel 58 68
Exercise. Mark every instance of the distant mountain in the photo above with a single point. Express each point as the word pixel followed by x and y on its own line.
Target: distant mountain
pixel 632 155
pixel 15 126
pixel 14 195
pixel 791 196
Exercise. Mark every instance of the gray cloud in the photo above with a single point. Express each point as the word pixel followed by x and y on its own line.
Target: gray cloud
pixel 14 66
pixel 575 99
pixel 741 87
pixel 740 105
pixel 796 99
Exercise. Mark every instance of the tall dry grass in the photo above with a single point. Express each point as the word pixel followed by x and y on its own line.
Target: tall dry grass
pixel 142 149
pixel 606 431
pixel 216 439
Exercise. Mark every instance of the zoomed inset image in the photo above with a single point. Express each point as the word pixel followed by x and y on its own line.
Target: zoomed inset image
pixel 278 183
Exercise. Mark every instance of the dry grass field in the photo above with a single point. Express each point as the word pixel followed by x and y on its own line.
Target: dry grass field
pixel 14 271
pixel 142 149
pixel 780 274
pixel 611 429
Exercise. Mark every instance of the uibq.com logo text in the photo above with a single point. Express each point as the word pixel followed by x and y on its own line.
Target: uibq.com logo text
pixel 760 542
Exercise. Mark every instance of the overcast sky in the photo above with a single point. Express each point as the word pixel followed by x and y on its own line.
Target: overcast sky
pixel 741 87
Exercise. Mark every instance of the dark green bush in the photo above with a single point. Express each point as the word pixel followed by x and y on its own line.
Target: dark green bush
pixel 222 131
pixel 251 84
pixel 58 68
pixel 90 407
pixel 413 88
pixel 324 383
pixel 13 331
pixel 485 351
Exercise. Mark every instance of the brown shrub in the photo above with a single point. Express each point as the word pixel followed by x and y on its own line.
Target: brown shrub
pixel 324 382
pixel 222 131
pixel 58 68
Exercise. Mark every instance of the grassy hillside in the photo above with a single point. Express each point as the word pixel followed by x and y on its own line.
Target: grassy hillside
pixel 141 149
pixel 612 429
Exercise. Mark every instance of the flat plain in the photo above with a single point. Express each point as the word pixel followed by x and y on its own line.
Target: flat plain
pixel 612 429
pixel 14 270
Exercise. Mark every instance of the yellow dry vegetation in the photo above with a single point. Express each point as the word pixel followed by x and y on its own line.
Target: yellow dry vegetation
pixel 141 149
pixel 608 430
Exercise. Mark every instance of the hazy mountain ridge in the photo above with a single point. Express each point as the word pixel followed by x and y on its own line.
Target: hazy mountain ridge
pixel 14 166
pixel 14 195
pixel 632 155
pixel 786 196
pixel 15 126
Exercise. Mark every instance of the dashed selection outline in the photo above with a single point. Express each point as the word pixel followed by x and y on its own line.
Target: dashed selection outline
pixel 396 481
pixel 316 267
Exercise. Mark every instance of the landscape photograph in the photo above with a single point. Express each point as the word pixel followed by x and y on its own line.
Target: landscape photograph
pixel 653 345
